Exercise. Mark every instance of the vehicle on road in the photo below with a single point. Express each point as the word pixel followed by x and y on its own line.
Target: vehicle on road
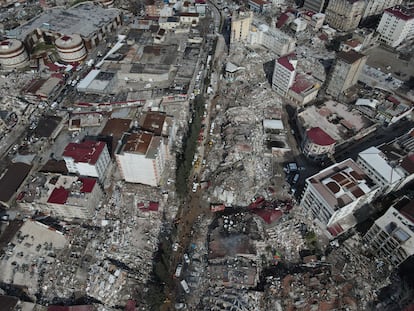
pixel 178 270
pixel 186 259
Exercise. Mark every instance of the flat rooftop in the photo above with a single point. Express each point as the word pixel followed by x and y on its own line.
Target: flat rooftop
pixel 83 19
pixel 10 182
pixel 335 119
pixel 341 184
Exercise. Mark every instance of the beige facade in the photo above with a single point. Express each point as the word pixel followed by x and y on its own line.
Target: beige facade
pixel 345 73
pixel 344 15
pixel 240 26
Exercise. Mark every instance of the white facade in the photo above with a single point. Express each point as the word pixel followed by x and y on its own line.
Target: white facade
pixel 284 74
pixel 374 164
pixel 13 54
pixel 70 48
pixel 391 237
pixel 334 194
pixel 142 159
pixel 88 158
pixel 396 25
pixel 273 39
pixel 376 7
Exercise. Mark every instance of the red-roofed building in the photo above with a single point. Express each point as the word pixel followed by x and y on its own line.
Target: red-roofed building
pixel 89 158
pixel 63 196
pixel 284 73
pixel 396 25
pixel 303 90
pixel 317 144
pixel 259 6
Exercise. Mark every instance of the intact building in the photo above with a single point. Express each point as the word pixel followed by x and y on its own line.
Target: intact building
pixel 390 165
pixel 335 193
pixel 345 72
pixel 89 158
pixel 344 15
pixel 396 25
pixel 318 145
pixel 284 74
pixel 391 237
pixel 273 39
pixel 142 158
pixel 377 7
pixel 240 26
pixel 62 196
pixel 13 54
pixel 315 5
pixel 70 48
pixel 91 21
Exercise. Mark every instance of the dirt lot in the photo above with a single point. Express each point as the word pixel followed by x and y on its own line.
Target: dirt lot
pixel 382 58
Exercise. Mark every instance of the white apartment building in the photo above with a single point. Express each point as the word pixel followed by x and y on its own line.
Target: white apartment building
pixel 344 15
pixel 391 237
pixel 376 7
pixel 396 25
pixel 374 163
pixel 142 158
pixel 273 39
pixel 88 158
pixel 345 72
pixel 284 74
pixel 335 193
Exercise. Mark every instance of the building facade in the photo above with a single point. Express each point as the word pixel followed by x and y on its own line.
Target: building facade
pixel 315 5
pixel 142 158
pixel 344 15
pixel 345 72
pixel 318 145
pixel 377 7
pixel 70 48
pixel 391 237
pixel 13 54
pixel 335 193
pixel 396 26
pixel 284 74
pixel 273 39
pixel 240 26
pixel 88 158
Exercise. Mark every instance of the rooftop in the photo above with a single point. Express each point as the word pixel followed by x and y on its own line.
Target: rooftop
pixel 350 57
pixel 138 142
pixel 153 121
pixel 85 152
pixel 285 61
pixel 401 12
pixel 319 137
pixel 83 19
pixel 341 184
pixel 10 182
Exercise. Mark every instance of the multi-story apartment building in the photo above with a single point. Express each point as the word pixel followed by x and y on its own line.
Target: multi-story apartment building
pixel 345 72
pixel 142 158
pixel 335 193
pixel 62 196
pixel 377 7
pixel 272 38
pixel 390 165
pixel 391 237
pixel 344 15
pixel 315 5
pixel 240 26
pixel 88 158
pixel 284 74
pixel 396 25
